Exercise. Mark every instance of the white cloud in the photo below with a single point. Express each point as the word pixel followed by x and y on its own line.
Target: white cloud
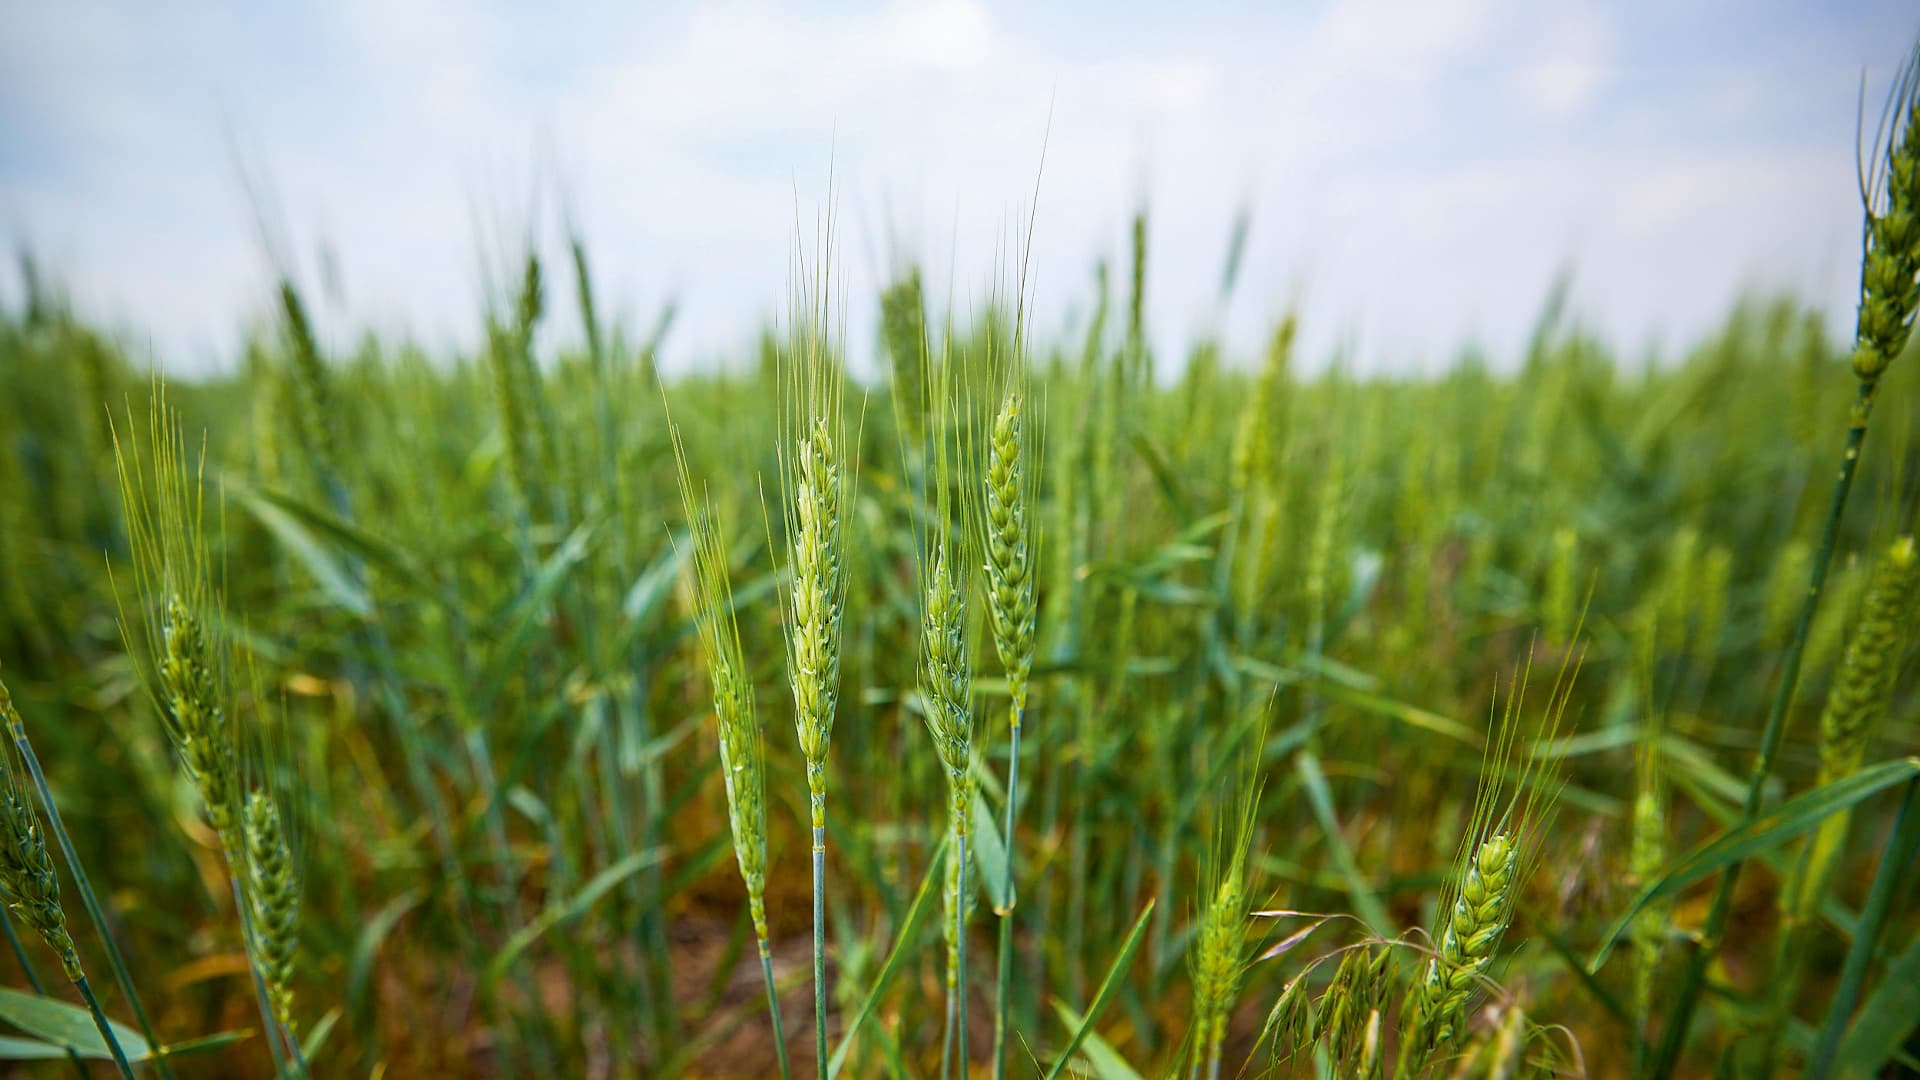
pixel 943 33
pixel 1177 86
pixel 1564 86
pixel 1576 60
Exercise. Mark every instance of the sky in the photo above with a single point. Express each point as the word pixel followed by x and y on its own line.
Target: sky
pixel 1417 173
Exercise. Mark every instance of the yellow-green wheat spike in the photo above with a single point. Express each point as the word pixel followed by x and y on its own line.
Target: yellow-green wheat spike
pixel 1710 603
pixel 947 677
pixel 1322 546
pixel 1890 271
pixel 946 695
pixel 311 384
pixel 903 321
pixel 1882 632
pixel 1217 955
pixel 737 726
pixel 946 692
pixel 1009 566
pixel 273 895
pixel 1218 963
pixel 1496 853
pixel 28 884
pixel 1479 915
pixel 816 490
pixel 1562 607
pixel 1677 589
pixel 1253 475
pixel 1786 588
pixel 163 497
pixel 1647 854
pixel 817 596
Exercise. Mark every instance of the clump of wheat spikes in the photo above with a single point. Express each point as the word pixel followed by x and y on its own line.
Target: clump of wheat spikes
pixel 179 635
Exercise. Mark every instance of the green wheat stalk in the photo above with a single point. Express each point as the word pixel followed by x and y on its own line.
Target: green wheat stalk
pixel 742 754
pixel 1889 296
pixel 816 487
pixel 181 649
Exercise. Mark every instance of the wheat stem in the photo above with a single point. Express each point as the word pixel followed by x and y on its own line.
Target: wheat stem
pixel 1006 512
pixel 1004 981
pixel 106 1029
pixel 116 960
pixel 1702 948
pixel 946 1036
pixel 960 946
pixel 1647 855
pixel 1855 704
pixel 33 978
pixel 820 938
pixel 1903 844
pixel 773 1008
pixel 1889 295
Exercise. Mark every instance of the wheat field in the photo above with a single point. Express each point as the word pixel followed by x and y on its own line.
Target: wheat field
pixel 1039 705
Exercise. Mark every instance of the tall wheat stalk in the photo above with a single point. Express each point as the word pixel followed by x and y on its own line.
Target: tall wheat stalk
pixel 1854 708
pixel 946 696
pixel 742 755
pixel 817 487
pixel 182 650
pixel 947 538
pixel 1008 512
pixel 1889 294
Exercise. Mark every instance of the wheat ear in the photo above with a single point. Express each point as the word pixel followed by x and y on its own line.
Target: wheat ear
pixel 816 487
pixel 273 895
pixel 1497 852
pixel 164 503
pixel 737 727
pixel 946 690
